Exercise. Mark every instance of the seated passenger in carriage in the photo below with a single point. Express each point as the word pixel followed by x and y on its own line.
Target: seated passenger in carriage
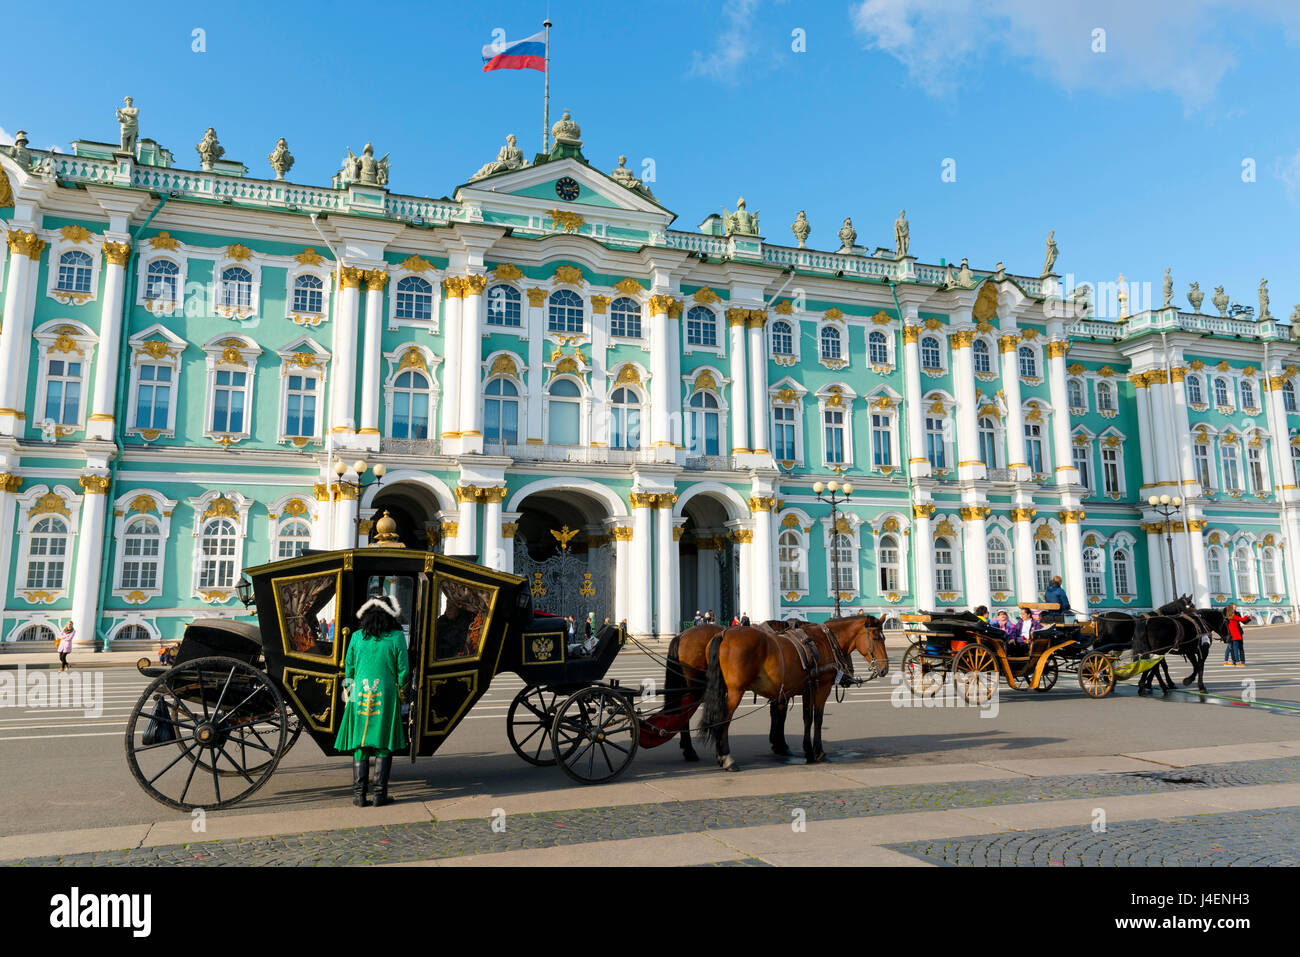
pixel 1019 636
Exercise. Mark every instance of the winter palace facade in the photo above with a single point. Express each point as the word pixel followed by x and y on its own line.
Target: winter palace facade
pixel 630 415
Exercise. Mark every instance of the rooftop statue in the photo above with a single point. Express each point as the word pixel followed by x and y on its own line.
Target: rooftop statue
pixel 1052 251
pixel 1195 296
pixel 566 131
pixel 624 176
pixel 848 236
pixel 129 118
pixel 365 169
pixel 801 229
pixel 1263 300
pixel 19 151
pixel 740 223
pixel 209 149
pixel 949 276
pixel 1169 288
pixel 1220 300
pixel 281 159
pixel 1295 315
pixel 509 157
pixel 965 278
pixel 1000 272
pixel 902 234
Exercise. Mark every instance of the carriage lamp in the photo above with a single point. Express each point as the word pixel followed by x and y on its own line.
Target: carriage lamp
pixel 838 494
pixel 1165 507
pixel 244 590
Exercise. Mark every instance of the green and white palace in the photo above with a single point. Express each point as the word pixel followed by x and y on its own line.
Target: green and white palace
pixel 633 416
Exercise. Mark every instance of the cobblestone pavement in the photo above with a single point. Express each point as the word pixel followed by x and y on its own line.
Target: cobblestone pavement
pixel 1269 838
pixel 433 840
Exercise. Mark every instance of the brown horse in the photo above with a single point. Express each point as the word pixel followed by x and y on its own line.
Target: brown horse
pixel 749 659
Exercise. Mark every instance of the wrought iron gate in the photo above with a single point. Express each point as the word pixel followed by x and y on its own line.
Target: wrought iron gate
pixel 567 583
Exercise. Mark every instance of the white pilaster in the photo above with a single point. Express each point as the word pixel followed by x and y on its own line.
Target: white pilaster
pixel 640 619
pixel 621 532
pixel 371 357
pixel 509 527
pixel 453 291
pixel 1022 529
pixel 344 366
pixel 1158 567
pixel 472 317
pixel 1007 343
pixel 1147 447
pixel 1066 473
pixel 667 582
pixel 536 357
pixel 763 598
pixel 969 465
pixel 24 262
pixel 1072 555
pixel 741 399
pixel 1200 572
pixel 494 550
pixel 758 400
pixel 662 383
pixel 923 550
pixel 90 559
pixel 101 422
pixel 976 555
pixel 345 515
pixel 467 522
pixel 917 462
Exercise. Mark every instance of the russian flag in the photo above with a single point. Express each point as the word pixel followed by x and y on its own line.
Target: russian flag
pixel 526 54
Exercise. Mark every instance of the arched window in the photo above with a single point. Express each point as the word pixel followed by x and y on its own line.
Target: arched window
pixel 37 633
pixel 789 558
pixel 1092 577
pixel 878 348
pixel 309 294
pixel 1028 363
pixel 74 271
pixel 983 359
pixel 842 567
pixel 47 554
pixel 217 545
pixel 887 560
pixel 1245 567
pixel 63 392
pixel 988 435
pixel 411 405
pixel 161 281
pixel 141 544
pixel 830 340
pixel 565 426
pixel 1105 397
pixel 943 571
pixel 1122 572
pixel 1043 568
pixel 504 306
pixel 999 564
pixel 625 318
pixel 294 538
pixel 415 298
pixel 701 327
pixel 501 412
pixel 625 420
pixel 704 425
pixel 1216 571
pixel 1194 394
pixel 1268 570
pixel 1288 396
pixel 1074 393
pixel 930 357
pixel 782 339
pixel 1247 395
pixel 132 632
pixel 1221 392
pixel 236 288
pixel 565 311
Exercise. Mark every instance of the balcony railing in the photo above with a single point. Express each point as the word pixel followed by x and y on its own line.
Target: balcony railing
pixel 581 455
pixel 710 463
pixel 409 446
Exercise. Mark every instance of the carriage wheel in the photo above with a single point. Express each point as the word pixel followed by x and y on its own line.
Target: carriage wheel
pixel 223 716
pixel 143 663
pixel 1051 671
pixel 976 672
pixel 923 674
pixel 528 724
pixel 595 735
pixel 1097 675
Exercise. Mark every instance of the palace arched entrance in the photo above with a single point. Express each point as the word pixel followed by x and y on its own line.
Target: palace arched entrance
pixel 564 549
pixel 708 560
pixel 414 507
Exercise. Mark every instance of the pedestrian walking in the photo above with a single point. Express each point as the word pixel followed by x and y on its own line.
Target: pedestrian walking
pixel 744 619
pixel 64 645
pixel 1236 647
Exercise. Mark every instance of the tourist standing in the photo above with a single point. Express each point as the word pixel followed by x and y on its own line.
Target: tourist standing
pixel 64 645
pixel 1236 647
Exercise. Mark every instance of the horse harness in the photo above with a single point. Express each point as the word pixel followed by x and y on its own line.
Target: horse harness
pixel 803 639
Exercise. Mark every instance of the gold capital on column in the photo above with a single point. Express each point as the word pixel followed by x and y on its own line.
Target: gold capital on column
pixel 621 533
pixel 508 529
pixel 641 500
pixel 94 484
pixel 743 536
pixel 10 483
pixel 496 494
pixel 1071 516
pixel 26 244
pixel 117 253
pixel 599 304
pixel 961 339
pixel 1057 350
pixel 350 277
pixel 1008 343
pixel 762 503
pixel 473 285
pixel 975 513
pixel 468 493
pixel 756 319
pixel 536 296
pixel 923 510
pixel 376 279
pixel 911 333
pixel 1023 514
pixel 736 316
pixel 453 287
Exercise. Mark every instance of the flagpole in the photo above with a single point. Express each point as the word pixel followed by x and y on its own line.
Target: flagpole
pixel 546 99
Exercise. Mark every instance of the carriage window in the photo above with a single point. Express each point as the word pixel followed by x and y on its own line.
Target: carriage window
pixel 307 605
pixel 464 610
pixel 402 588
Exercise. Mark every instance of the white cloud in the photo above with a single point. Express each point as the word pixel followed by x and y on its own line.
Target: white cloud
pixel 734 43
pixel 6 138
pixel 1173 46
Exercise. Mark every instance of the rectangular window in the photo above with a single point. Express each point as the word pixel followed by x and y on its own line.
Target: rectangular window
pixel 301 406
pixel 1080 455
pixel 834 436
pixel 228 403
pixel 881 452
pixel 988 448
pixel 1034 448
pixel 783 434
pixel 153 396
pixel 934 443
pixel 1256 465
pixel 1231 469
pixel 1110 470
pixel 1201 457
pixel 63 392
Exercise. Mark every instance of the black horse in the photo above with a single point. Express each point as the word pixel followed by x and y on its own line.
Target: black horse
pixel 1176 628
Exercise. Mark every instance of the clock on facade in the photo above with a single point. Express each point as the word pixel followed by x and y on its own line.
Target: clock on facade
pixel 567 188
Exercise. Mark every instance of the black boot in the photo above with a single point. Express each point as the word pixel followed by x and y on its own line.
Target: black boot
pixel 383 764
pixel 360 778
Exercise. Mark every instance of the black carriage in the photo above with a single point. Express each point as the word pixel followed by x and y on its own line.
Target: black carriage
pixel 210 729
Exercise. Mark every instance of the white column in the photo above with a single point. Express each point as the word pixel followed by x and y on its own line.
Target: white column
pixel 371 357
pixel 969 465
pixel 345 514
pixel 1072 556
pixel 662 383
pixel 917 462
pixel 1145 444
pixel 667 581
pixel 320 528
pixel 740 396
pixel 1015 415
pixel 344 386
pixel 1200 571
pixel 923 552
pixel 1162 427
pixel 100 425
pixel 493 551
pixel 641 569
pixel 90 559
pixel 758 400
pixel 9 485
pixel 1182 437
pixel 676 422
pixel 1026 585
pixel 744 545
pixel 467 527
pixel 976 555
pixel 763 597
pixel 471 345
pixel 536 340
pixel 623 572
pixel 452 291
pixel 24 262
pixel 509 527
pixel 1066 473
pixel 1157 564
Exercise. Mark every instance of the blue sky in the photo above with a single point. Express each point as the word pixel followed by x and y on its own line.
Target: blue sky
pixel 1133 155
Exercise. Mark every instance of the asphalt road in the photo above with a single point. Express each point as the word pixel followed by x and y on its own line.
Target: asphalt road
pixel 65 771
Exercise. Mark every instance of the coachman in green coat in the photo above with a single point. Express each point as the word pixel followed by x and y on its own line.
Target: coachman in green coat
pixel 377 667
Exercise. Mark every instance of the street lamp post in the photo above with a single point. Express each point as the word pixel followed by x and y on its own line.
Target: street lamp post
pixel 837 495
pixel 1165 507
pixel 358 467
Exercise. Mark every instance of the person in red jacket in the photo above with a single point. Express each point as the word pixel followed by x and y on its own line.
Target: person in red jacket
pixel 1236 647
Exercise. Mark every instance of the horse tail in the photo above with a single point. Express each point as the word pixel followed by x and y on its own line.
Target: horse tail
pixel 715 693
pixel 674 676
